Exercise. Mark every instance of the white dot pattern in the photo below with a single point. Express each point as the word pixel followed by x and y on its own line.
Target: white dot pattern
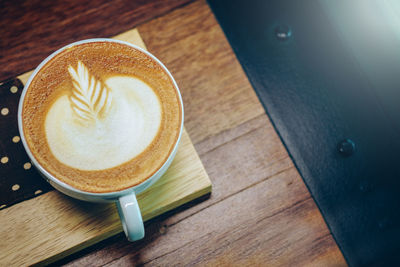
pixel 4 160
pixel 16 176
pixel 37 192
pixel 15 187
pixel 27 166
pixel 14 89
pixel 4 111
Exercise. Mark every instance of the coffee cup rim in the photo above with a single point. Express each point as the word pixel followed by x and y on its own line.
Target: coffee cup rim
pixel 65 185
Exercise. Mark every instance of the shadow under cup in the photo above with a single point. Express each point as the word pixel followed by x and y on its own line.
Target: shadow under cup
pixel 125 199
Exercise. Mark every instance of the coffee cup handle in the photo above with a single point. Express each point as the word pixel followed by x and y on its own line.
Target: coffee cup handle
pixel 131 218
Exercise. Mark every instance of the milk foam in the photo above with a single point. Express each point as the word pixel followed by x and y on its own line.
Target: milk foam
pixel 122 133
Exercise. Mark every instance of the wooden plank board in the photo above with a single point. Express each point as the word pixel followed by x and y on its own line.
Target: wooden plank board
pixel 253 176
pixel 252 229
pixel 202 62
pixel 254 216
pixel 52 226
pixel 43 26
pixel 239 149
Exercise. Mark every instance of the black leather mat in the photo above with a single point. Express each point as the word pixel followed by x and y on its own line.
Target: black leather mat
pixel 328 75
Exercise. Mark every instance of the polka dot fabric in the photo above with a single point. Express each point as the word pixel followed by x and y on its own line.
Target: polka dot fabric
pixel 19 181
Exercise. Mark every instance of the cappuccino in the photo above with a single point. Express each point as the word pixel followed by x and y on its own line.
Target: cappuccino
pixel 101 116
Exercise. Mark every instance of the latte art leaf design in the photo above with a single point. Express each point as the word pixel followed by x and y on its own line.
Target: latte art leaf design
pixel 90 98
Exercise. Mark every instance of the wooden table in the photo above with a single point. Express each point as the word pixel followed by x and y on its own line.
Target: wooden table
pixel 260 211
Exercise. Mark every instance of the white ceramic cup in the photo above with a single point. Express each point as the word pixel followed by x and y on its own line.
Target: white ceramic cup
pixel 127 205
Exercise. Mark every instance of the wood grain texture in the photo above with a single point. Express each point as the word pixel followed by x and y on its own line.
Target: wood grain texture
pixel 53 226
pixel 191 44
pixel 260 212
pixel 31 30
pixel 189 235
